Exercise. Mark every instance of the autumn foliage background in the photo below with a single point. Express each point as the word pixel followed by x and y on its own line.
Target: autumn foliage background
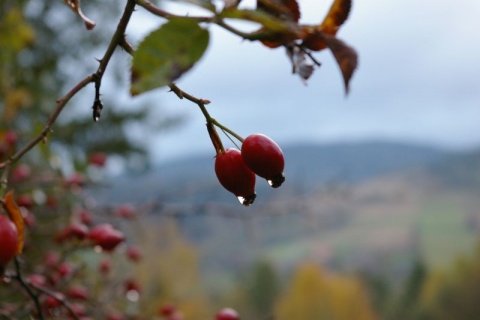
pixel 156 266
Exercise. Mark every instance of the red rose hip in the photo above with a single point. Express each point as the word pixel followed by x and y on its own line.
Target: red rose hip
pixel 235 176
pixel 227 314
pixel 264 157
pixel 8 240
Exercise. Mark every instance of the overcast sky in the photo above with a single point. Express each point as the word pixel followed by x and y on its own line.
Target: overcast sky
pixel 418 80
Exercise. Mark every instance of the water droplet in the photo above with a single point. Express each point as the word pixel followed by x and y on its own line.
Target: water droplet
pixel 247 201
pixel 276 181
pixel 96 119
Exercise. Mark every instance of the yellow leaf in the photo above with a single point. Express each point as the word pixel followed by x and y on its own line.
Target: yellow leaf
pixel 17 218
pixel 336 16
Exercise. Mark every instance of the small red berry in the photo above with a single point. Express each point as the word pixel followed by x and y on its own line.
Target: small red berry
pixel 29 220
pixel 78 292
pixel 126 211
pixel 133 253
pixel 235 176
pixel 264 157
pixel 131 285
pixel 105 266
pixel 227 314
pixel 76 180
pixel 105 236
pixel 51 259
pixel 79 310
pixel 53 301
pixel 25 200
pixel 65 269
pixel 72 231
pixel 21 172
pixel 8 240
pixel 37 279
pixel 167 310
pixel 98 159
pixel 85 217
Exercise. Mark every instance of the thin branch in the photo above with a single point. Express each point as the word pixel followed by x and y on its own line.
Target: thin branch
pixel 62 301
pixel 18 276
pixel 150 7
pixel 117 38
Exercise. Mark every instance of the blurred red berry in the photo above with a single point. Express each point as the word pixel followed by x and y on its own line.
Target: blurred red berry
pixel 78 292
pixel 65 269
pixel 105 236
pixel 25 200
pixel 86 217
pixel 37 279
pixel 131 285
pixel 227 314
pixel 98 159
pixel 133 253
pixel 126 211
pixel 51 259
pixel 77 179
pixel 74 230
pixel 29 220
pixel 105 266
pixel 166 310
pixel 21 172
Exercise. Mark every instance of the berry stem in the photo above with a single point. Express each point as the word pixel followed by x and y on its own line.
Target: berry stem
pixel 201 104
pixel 227 130
pixel 216 141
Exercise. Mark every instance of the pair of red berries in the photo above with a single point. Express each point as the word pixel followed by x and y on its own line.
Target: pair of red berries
pixel 236 169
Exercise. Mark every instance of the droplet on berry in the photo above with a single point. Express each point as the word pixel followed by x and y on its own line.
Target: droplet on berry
pixel 234 175
pixel 264 157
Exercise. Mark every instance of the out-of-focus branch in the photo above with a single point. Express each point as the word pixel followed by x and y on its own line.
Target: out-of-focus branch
pixel 23 283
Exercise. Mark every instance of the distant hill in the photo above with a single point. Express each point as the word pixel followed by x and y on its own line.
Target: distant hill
pixel 308 166
pixel 358 206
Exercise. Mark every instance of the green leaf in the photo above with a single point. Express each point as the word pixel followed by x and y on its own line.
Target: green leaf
pixel 167 53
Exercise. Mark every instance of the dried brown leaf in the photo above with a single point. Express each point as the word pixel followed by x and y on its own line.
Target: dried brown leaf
pixel 346 56
pixel 336 16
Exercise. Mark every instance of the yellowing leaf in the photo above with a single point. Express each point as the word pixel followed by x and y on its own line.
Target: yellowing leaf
pixel 16 216
pixel 336 16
